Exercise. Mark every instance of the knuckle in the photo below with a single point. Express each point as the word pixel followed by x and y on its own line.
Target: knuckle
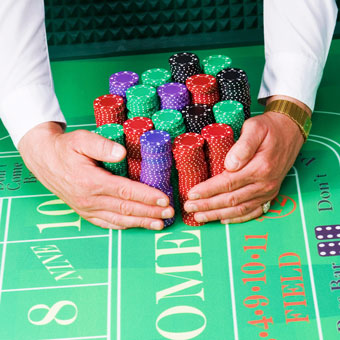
pixel 266 168
pixel 227 184
pixel 242 210
pixel 83 203
pixel 125 208
pixel 231 201
pixel 124 192
pixel 272 186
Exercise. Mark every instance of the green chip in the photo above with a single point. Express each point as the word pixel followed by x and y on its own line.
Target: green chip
pixel 111 131
pixel 167 118
pixel 138 92
pixel 215 63
pixel 156 77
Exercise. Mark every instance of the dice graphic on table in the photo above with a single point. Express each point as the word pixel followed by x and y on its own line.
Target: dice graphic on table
pixel 330 236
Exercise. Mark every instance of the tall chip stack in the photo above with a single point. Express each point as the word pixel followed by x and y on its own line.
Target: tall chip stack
pixel 204 89
pixel 197 116
pixel 142 101
pixel 233 84
pixel 184 65
pixel 215 63
pixel 133 129
pixel 157 162
pixel 173 96
pixel 192 168
pixel 108 109
pixel 156 77
pixel 121 81
pixel 230 112
pixel 219 140
pixel 114 132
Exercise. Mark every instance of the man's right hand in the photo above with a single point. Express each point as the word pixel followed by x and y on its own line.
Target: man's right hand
pixel 66 163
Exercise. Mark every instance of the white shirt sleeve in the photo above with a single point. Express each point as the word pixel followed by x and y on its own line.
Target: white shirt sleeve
pixel 298 34
pixel 27 96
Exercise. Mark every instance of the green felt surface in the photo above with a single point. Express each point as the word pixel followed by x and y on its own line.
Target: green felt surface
pixel 63 278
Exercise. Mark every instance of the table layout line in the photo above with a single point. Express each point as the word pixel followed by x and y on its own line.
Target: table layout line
pixel 109 288
pixel 119 263
pixel 309 260
pixel 84 338
pixel 55 287
pixel 2 269
pixel 231 279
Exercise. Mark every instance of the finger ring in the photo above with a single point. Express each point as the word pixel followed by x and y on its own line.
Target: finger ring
pixel 266 207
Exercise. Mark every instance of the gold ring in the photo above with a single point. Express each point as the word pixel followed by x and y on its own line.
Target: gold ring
pixel 266 207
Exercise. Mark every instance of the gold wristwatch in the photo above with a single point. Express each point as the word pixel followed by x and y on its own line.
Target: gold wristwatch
pixel 294 112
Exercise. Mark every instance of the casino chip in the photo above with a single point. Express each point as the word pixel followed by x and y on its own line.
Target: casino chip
pixel 192 168
pixel 215 63
pixel 197 116
pixel 173 96
pixel 121 81
pixel 230 112
pixel 133 129
pixel 184 65
pixel 204 89
pixel 156 77
pixel 142 101
pixel 109 108
pixel 233 84
pixel 114 132
pixel 219 140
pixel 157 162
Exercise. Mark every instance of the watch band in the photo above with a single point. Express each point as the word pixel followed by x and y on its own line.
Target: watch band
pixel 294 112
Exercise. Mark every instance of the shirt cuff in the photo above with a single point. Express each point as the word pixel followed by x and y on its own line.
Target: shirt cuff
pixel 28 107
pixel 293 75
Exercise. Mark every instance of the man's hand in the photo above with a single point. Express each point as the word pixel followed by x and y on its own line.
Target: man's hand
pixel 256 166
pixel 66 163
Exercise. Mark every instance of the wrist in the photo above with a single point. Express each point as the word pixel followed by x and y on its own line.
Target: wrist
pixel 291 99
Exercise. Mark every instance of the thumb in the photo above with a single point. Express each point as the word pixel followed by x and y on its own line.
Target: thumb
pixel 245 148
pixel 101 148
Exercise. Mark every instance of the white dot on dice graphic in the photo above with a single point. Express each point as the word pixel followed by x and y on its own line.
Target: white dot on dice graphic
pixel 337 227
pixel 331 244
pixel 329 228
pixel 329 235
pixel 338 243
pixel 318 228
pixel 337 235
pixel 321 245
pixel 320 237
pixel 332 252
pixel 323 253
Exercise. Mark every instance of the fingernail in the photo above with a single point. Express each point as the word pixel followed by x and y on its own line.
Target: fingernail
pixel 225 221
pixel 201 218
pixel 167 213
pixel 117 152
pixel 232 163
pixel 162 202
pixel 193 196
pixel 156 225
pixel 191 207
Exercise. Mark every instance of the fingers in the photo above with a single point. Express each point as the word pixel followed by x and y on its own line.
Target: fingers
pixel 230 213
pixel 245 148
pixel 109 220
pixel 126 189
pixel 129 208
pixel 222 183
pixel 224 200
pixel 97 147
pixel 250 216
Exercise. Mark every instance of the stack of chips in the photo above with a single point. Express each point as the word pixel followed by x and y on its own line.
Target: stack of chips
pixel 204 89
pixel 233 84
pixel 114 132
pixel 156 77
pixel 170 121
pixel 133 129
pixel 173 96
pixel 219 139
pixel 121 81
pixel 215 63
pixel 192 168
pixel 197 116
pixel 109 108
pixel 183 66
pixel 142 101
pixel 156 163
pixel 230 112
